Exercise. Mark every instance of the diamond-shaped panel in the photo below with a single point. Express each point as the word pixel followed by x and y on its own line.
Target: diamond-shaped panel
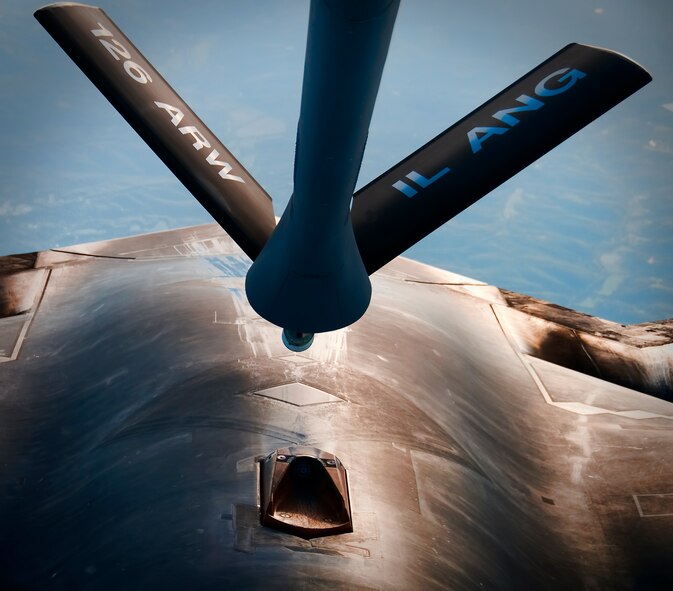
pixel 299 359
pixel 298 394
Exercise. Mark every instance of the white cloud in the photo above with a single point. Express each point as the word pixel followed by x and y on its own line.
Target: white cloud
pixel 611 261
pixel 513 201
pixel 84 232
pixel 599 10
pixel 588 303
pixel 615 272
pixel 625 247
pixel 253 124
pixel 658 146
pixel 668 106
pixel 202 50
pixel 189 58
pixel 50 201
pixel 610 285
pixel 9 209
pixel 659 283
pixel 262 127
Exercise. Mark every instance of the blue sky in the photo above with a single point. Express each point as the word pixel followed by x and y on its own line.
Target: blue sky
pixel 589 226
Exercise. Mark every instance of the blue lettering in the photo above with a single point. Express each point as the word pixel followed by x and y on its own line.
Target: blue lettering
pixel 487 132
pixel 421 181
pixel 529 104
pixel 406 189
pixel 478 135
pixel 572 76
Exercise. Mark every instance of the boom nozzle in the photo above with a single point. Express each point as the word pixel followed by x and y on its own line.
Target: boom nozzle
pixel 310 273
pixel 297 341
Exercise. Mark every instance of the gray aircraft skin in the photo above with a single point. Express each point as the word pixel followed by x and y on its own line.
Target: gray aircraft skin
pixel 138 393
pixel 491 440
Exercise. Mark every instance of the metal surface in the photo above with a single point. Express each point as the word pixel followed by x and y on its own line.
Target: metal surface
pixel 304 492
pixel 139 388
pixel 164 121
pixel 310 277
pixel 488 146
pixel 131 421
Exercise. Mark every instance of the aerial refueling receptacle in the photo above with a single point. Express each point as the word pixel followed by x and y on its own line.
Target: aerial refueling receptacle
pixel 304 491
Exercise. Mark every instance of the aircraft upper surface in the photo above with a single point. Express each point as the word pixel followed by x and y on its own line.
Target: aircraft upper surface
pixel 155 432
pixel 139 390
